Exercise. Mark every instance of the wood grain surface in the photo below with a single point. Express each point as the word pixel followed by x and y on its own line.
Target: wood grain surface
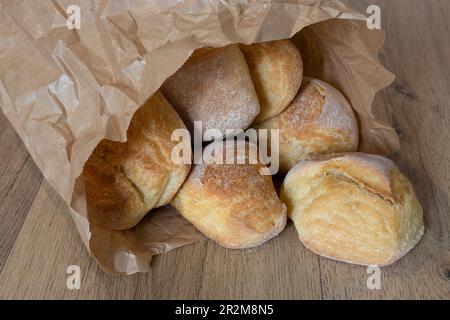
pixel 38 240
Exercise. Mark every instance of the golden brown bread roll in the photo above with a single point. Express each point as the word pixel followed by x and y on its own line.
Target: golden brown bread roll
pixel 276 68
pixel 123 181
pixel 354 207
pixel 318 121
pixel 233 204
pixel 214 86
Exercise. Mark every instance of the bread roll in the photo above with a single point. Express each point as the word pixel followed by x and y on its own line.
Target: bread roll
pixel 355 207
pixel 318 121
pixel 123 181
pixel 214 86
pixel 276 68
pixel 233 204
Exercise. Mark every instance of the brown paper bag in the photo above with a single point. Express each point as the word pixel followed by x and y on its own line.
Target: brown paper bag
pixel 65 90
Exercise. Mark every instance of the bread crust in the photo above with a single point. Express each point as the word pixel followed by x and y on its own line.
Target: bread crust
pixel 124 181
pixel 214 87
pixel 353 207
pixel 318 121
pixel 276 68
pixel 233 204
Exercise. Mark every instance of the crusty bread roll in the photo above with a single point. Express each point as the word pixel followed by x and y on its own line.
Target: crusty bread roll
pixel 276 68
pixel 214 86
pixel 354 207
pixel 233 204
pixel 123 181
pixel 318 121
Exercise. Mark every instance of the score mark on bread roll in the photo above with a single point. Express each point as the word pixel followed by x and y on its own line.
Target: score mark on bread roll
pixel 355 207
pixel 318 121
pixel 233 204
pixel 123 181
pixel 214 86
pixel 276 68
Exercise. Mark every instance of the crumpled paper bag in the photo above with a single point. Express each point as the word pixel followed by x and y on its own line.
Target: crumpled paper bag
pixel 65 90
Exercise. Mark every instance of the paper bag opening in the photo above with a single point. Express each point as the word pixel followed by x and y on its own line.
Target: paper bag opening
pixel 332 51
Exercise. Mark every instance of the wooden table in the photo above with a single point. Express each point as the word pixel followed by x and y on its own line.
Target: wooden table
pixel 38 240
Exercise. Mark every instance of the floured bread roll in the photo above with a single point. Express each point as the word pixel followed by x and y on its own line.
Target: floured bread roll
pixel 214 86
pixel 233 204
pixel 318 121
pixel 276 68
pixel 123 181
pixel 354 207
